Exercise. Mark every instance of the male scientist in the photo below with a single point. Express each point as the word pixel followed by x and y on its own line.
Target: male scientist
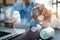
pixel 29 15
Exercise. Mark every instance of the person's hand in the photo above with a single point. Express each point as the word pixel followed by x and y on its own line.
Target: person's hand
pixel 15 18
pixel 14 21
pixel 42 10
pixel 39 7
pixel 45 24
pixel 35 17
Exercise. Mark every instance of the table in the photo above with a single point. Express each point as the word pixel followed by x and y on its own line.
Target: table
pixel 56 37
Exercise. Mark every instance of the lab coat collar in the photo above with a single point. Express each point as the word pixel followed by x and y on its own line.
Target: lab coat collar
pixel 29 7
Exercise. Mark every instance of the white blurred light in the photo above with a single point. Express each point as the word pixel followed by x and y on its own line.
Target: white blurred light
pixel 54 8
pixel 47 3
pixel 2 16
pixel 8 11
pixel 59 9
pixel 58 0
pixel 54 1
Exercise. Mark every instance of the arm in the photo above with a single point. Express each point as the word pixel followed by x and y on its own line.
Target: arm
pixel 40 8
pixel 47 17
pixel 15 15
pixel 35 17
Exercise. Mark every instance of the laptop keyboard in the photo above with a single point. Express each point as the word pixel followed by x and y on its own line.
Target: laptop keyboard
pixel 4 33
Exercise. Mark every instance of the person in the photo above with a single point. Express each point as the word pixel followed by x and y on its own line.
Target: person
pixel 25 9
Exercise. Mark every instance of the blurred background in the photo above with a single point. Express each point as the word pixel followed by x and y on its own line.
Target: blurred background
pixel 54 5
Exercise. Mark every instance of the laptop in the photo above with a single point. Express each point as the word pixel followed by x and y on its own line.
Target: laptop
pixel 8 33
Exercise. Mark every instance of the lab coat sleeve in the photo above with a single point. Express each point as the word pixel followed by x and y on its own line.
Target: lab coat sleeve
pixel 15 7
pixel 15 12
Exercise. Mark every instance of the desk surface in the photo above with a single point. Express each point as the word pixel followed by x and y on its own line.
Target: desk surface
pixel 56 37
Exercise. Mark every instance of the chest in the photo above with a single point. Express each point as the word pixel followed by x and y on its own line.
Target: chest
pixel 26 12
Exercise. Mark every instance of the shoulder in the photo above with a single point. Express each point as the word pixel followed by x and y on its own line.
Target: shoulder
pixel 18 4
pixel 35 3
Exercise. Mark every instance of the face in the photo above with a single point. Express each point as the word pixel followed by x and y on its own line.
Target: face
pixel 27 1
